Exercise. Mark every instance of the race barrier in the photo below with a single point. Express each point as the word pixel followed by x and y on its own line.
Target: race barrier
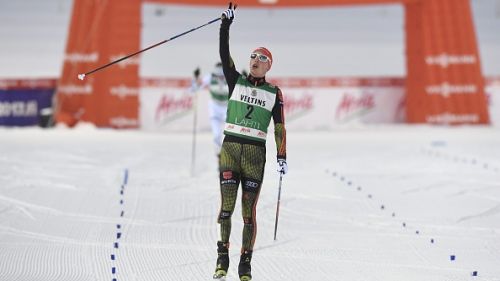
pixel 310 104
pixel 26 102
pixel 167 104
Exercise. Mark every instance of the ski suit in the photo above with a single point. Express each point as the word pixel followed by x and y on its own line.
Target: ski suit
pixel 252 103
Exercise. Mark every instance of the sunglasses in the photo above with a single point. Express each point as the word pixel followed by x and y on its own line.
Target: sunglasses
pixel 262 58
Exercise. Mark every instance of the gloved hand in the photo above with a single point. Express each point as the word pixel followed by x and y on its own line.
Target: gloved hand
pixel 282 166
pixel 196 73
pixel 229 13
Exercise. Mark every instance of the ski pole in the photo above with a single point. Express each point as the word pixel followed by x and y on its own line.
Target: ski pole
pixel 82 76
pixel 193 147
pixel 278 207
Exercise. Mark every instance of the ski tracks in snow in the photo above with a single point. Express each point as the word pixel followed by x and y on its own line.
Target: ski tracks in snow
pixel 479 238
pixel 370 215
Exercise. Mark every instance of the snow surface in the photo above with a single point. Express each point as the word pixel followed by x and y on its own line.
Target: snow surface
pixel 344 202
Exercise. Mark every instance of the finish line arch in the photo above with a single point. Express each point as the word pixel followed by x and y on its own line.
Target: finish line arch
pixel 444 83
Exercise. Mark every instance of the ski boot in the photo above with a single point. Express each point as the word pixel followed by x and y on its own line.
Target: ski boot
pixel 244 268
pixel 222 261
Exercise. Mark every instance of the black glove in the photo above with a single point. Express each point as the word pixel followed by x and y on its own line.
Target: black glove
pixel 228 15
pixel 196 73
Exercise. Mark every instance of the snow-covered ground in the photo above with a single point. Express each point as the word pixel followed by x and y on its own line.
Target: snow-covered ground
pixel 359 203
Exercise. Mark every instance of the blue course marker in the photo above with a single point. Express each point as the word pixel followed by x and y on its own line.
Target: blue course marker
pixel 125 178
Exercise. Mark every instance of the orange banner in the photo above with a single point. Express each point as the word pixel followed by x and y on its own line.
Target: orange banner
pixel 444 80
pixel 277 3
pixel 101 32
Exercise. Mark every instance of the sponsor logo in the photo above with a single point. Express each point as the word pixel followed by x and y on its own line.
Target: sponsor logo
pixel 295 107
pixel 247 123
pixel 124 63
pixel 447 118
pixel 6 84
pixel 252 100
pixel 229 181
pixel 28 83
pixel 225 214
pixel 244 130
pixel 445 89
pixel 261 134
pixel 123 91
pixel 268 2
pixel 227 175
pixel 444 60
pixel 251 184
pixel 122 122
pixel 351 105
pixel 489 92
pixel 19 109
pixel 71 89
pixel 81 57
pixel 254 93
pixel 400 114
pixel 169 106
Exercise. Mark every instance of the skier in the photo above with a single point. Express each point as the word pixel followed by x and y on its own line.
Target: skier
pixel 252 103
pixel 217 86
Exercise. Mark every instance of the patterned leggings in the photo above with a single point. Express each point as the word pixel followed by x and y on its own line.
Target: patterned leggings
pixel 240 163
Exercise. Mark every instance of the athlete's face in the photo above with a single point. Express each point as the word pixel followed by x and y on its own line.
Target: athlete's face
pixel 259 65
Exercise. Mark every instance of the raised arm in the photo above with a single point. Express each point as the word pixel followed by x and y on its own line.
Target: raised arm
pixel 228 67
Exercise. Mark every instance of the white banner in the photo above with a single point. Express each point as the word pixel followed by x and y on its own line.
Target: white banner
pixel 324 108
pixel 167 109
pixel 309 104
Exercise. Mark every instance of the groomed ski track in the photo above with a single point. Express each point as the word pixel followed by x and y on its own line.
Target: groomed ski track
pixel 359 204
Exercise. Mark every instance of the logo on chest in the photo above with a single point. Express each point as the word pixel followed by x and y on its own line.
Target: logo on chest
pixel 253 99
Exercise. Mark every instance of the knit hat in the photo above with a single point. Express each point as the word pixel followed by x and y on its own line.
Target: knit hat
pixel 266 53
